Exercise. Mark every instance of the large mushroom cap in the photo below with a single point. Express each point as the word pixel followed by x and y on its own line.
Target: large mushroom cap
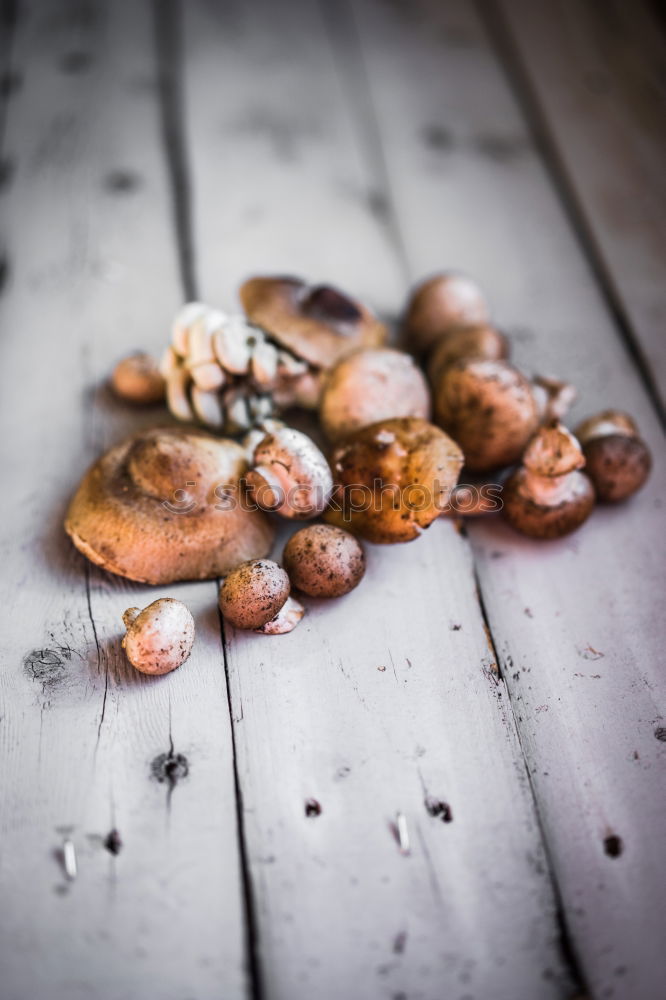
pixel 538 515
pixel 315 322
pixel 165 505
pixel 393 479
pixel 441 304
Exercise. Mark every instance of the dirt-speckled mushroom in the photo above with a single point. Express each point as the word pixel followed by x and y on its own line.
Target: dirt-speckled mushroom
pixel 548 496
pixel 290 476
pixel 488 407
pixel 137 379
pixel 159 638
pixel 439 305
pixel 315 322
pixel 393 479
pixel 618 461
pixel 324 561
pixel 256 595
pixel 372 385
pixel 166 505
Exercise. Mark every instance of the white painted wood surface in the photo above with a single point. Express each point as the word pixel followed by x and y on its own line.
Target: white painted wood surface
pixel 597 72
pixel 470 191
pixel 92 275
pixel 387 696
pixel 364 145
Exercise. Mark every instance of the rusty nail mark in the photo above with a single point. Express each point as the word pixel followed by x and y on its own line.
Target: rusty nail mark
pixel 312 808
pixel 113 842
pixel 613 845
pixel 437 808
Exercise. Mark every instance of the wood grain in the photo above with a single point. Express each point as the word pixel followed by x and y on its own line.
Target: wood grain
pixel 86 744
pixel 388 697
pixel 576 622
pixel 597 74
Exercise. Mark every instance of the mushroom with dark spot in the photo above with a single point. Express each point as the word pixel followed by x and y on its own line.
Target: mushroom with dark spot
pixel 617 460
pixel 159 639
pixel 324 561
pixel 255 595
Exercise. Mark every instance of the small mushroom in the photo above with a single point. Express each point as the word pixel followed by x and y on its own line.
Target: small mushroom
pixel 393 479
pixel 553 397
pixel 324 561
pixel 618 461
pixel 159 638
pixel 137 379
pixel 290 475
pixel 439 305
pixel 315 322
pixel 488 407
pixel 256 595
pixel 167 505
pixel 483 342
pixel 548 496
pixel 369 386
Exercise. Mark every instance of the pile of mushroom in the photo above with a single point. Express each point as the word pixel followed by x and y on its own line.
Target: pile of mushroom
pixel 229 372
pixel 173 504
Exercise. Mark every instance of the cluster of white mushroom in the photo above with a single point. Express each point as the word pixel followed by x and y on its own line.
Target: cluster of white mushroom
pixel 299 345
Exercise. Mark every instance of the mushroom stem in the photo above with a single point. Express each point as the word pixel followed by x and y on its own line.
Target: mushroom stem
pixel 547 490
pixel 285 620
pixel 130 616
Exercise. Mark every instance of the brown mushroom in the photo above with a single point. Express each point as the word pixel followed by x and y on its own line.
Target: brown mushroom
pixel 315 322
pixel 372 385
pixel 618 461
pixel 159 638
pixel 439 305
pixel 289 475
pixel 256 595
pixel 393 479
pixel 166 505
pixel 488 407
pixel 324 561
pixel 483 342
pixel 137 379
pixel 548 497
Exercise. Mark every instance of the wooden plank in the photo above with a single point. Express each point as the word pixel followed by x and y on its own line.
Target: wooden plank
pixel 576 622
pixel 597 75
pixel 387 696
pixel 84 741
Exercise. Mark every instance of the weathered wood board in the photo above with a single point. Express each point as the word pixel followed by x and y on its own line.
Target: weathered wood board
pixel 576 623
pixel 86 744
pixel 364 143
pixel 388 696
pixel 597 73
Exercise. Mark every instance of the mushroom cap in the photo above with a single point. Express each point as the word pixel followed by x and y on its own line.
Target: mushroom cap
pixel 487 407
pixel 254 593
pixel 464 343
pixel 606 422
pixel 290 475
pixel 617 464
pixel 160 637
pixel 324 561
pixel 315 322
pixel 533 514
pixel 553 451
pixel 166 505
pixel 440 304
pixel 372 385
pixel 137 379
pixel 393 479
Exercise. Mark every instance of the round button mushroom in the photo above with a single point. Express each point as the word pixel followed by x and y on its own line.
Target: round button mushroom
pixel 290 475
pixel 159 638
pixel 440 304
pixel 548 497
pixel 617 460
pixel 324 561
pixel 393 479
pixel 369 386
pixel 137 379
pixel 255 595
pixel 489 408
